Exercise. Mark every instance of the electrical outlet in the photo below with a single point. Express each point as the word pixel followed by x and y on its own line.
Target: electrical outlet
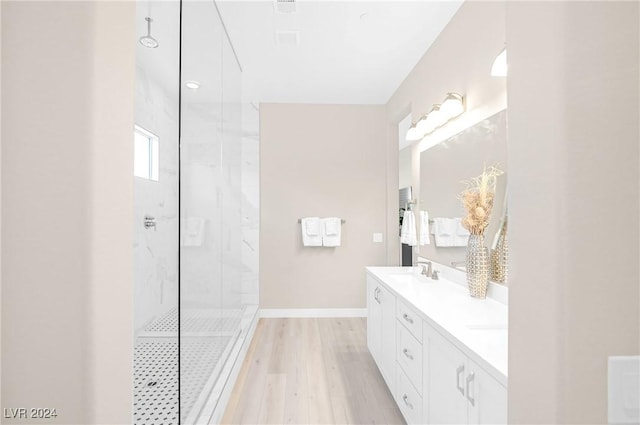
pixel 377 237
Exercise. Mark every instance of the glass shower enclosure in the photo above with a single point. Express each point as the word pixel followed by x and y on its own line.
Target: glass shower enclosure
pixel 196 223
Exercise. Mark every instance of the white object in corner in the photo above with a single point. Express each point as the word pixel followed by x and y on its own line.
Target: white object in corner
pixel 311 231
pixel 624 390
pixel 272 313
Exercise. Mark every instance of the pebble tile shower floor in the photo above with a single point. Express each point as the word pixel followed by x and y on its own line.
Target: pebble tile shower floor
pixel 156 365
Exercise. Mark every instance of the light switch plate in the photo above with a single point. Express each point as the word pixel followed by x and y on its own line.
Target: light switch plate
pixel 377 237
pixel 624 390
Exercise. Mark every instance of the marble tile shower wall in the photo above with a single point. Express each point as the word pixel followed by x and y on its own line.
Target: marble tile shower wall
pixel 250 204
pixel 155 251
pixel 202 194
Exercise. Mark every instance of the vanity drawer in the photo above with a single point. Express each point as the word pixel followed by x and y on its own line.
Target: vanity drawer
pixel 411 320
pixel 408 399
pixel 409 356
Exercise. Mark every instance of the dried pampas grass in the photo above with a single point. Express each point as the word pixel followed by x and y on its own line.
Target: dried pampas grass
pixel 478 198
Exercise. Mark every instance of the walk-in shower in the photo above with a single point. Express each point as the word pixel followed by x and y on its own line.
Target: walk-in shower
pixel 195 218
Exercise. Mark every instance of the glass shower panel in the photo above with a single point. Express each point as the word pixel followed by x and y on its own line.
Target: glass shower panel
pixel 155 215
pixel 231 190
pixel 204 340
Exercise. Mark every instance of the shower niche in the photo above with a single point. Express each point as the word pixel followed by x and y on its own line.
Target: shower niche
pixel 195 278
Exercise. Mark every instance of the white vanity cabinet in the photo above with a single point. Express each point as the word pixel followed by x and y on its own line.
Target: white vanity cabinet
pixel 410 363
pixel 461 391
pixel 440 369
pixel 381 329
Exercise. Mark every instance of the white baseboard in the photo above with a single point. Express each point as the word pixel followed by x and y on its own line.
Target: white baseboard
pixel 273 313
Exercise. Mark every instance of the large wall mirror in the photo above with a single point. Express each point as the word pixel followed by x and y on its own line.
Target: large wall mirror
pixel 443 170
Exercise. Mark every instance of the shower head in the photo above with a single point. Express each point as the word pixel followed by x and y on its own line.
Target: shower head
pixel 147 40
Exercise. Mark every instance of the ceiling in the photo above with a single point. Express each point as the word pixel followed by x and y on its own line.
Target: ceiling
pixel 344 52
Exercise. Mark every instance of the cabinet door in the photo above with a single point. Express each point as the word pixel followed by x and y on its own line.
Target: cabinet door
pixel 447 367
pixel 388 340
pixel 374 319
pixel 487 397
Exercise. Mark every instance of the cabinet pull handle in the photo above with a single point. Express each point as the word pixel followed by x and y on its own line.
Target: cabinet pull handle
pixel 405 398
pixel 406 317
pixel 378 295
pixel 406 353
pixel 470 379
pixel 459 372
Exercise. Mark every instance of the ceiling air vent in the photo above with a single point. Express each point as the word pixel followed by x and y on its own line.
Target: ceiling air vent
pixel 285 6
pixel 287 38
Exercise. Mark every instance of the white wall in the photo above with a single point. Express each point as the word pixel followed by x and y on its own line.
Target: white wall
pixel 404 168
pixel 68 77
pixel 337 169
pixel 573 169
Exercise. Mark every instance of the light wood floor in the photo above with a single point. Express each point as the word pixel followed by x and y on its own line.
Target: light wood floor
pixel 310 371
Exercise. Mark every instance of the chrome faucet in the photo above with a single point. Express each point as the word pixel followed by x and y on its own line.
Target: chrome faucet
pixel 427 269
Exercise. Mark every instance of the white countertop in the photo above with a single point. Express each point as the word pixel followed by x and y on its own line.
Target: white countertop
pixel 477 327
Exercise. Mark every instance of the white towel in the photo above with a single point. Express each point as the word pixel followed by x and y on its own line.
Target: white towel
pixel 331 231
pixel 408 232
pixel 461 237
pixel 310 227
pixel 193 231
pixel 424 228
pixel 444 231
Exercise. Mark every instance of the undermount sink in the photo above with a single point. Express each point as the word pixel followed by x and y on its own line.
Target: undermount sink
pixel 404 277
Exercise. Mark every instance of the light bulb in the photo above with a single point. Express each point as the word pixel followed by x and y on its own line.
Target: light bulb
pixel 413 134
pixel 435 119
pixel 452 106
pixel 421 126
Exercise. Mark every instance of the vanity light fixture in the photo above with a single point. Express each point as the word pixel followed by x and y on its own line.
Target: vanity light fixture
pixel 440 114
pixel 193 85
pixel 413 134
pixel 499 68
pixel 421 127
pixel 452 106
pixel 435 118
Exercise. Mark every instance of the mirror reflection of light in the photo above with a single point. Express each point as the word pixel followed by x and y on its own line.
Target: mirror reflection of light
pixel 193 85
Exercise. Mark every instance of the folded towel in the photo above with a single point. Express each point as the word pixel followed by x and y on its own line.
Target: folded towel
pixel 310 227
pixel 461 237
pixel 193 231
pixel 444 231
pixel 332 231
pixel 424 228
pixel 408 233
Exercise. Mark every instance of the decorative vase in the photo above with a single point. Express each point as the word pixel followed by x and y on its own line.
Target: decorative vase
pixel 477 266
pixel 500 258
